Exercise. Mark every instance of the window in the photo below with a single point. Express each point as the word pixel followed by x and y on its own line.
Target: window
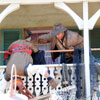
pixel 95 41
pixel 8 36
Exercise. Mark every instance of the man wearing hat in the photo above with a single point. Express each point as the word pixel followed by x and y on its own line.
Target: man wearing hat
pixel 21 55
pixel 61 38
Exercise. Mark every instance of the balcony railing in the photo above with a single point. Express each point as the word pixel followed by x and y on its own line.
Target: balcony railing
pixel 38 84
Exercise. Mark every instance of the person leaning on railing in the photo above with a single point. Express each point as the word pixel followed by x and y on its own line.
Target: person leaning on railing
pixel 21 55
pixel 62 39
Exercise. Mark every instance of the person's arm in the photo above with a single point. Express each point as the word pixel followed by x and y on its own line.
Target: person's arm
pixel 78 41
pixel 59 45
pixel 34 48
pixel 46 38
pixel 74 39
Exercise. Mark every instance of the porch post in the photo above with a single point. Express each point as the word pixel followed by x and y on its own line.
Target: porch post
pixel 82 24
pixel 86 50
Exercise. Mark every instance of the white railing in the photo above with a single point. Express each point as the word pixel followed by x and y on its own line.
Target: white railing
pixel 38 84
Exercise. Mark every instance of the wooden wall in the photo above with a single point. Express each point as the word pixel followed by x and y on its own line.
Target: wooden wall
pixel 44 16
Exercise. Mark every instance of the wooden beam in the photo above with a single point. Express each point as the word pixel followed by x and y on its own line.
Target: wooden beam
pixel 71 50
pixel 31 2
pixel 49 65
pixel 48 51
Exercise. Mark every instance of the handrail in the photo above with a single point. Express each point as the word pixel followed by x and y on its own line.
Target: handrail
pixel 51 65
pixel 70 50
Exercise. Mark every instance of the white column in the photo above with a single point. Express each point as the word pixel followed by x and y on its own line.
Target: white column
pixel 86 50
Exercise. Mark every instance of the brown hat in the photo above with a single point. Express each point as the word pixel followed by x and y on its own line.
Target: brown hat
pixel 58 28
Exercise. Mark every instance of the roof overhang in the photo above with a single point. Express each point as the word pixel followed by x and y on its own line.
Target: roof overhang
pixel 46 13
pixel 31 2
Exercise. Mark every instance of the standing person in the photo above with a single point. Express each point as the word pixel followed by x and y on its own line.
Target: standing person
pixel 20 55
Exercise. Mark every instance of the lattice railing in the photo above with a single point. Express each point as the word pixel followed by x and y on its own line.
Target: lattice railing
pixel 38 84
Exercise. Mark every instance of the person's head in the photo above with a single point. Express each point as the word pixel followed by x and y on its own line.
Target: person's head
pixel 60 35
pixel 58 30
pixel 28 35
